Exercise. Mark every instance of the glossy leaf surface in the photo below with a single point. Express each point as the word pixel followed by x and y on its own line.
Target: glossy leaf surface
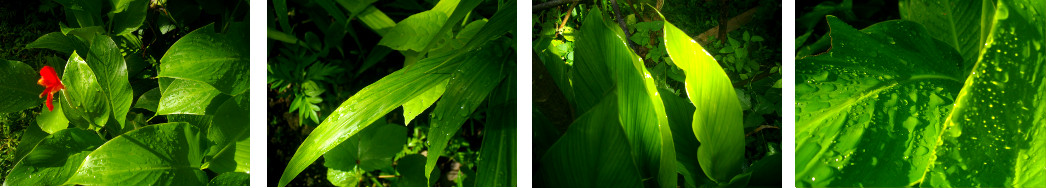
pixel 161 154
pixel 717 116
pixel 218 59
pixel 54 159
pixel 998 129
pixel 366 106
pixel 190 97
pixel 842 97
pixel 468 87
pixel 83 101
pixel 230 133
pixel 601 47
pixel 108 64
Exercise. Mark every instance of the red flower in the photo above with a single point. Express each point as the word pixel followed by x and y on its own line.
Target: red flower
pixel 49 79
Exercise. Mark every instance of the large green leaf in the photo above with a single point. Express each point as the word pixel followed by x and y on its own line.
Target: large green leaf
pixel 367 106
pixel 642 111
pixel 998 129
pixel 52 121
pixel 109 67
pixel 594 152
pixel 218 59
pixel 497 156
pixel 128 15
pixel 870 107
pixel 412 171
pixel 190 97
pixel 717 115
pixel 150 100
pixel 455 11
pixel 83 101
pixel 466 90
pixel 161 154
pixel 230 133
pixel 415 106
pixel 54 159
pixel 372 149
pixel 955 22
pixel 59 42
pixel 414 32
pixel 18 89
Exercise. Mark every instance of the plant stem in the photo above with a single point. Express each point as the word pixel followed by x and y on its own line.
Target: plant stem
pixel 565 18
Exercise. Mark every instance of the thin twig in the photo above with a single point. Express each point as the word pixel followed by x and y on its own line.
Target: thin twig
pixel 553 3
pixel 565 18
pixel 621 22
pixel 761 127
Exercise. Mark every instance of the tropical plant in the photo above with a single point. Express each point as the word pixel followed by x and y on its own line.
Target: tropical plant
pixel 456 60
pixel 634 130
pixel 951 95
pixel 188 125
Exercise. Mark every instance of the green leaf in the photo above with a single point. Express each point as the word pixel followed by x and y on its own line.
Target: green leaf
pixel 218 59
pixel 417 105
pixel 372 149
pixel 54 159
pixel 230 133
pixel 954 22
pixel 345 178
pixel 108 64
pixel 497 156
pixel 231 179
pixel 717 117
pixel 19 88
pixel 367 106
pixel 161 154
pixel 150 100
pixel 997 128
pixel 468 87
pixel 30 137
pixel 594 152
pixel 502 22
pixel 85 13
pixel 412 170
pixel 59 42
pixel 643 114
pixel 128 15
pixel 84 103
pixel 190 97
pixel 455 11
pixel 414 32
pixel 52 121
pixel 842 97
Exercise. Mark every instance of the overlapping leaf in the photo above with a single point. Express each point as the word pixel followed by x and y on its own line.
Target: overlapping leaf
pixel 161 154
pixel 18 89
pixel 54 159
pixel 604 55
pixel 366 106
pixel 843 124
pixel 594 152
pixel 717 116
pixel 468 86
pixel 997 127
pixel 217 59
pixel 978 143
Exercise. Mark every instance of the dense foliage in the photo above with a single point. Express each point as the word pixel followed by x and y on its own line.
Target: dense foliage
pixel 337 83
pixel 152 94
pixel 949 95
pixel 634 124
